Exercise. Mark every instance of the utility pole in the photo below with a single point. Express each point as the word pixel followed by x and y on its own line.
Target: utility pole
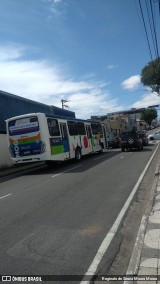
pixel 63 103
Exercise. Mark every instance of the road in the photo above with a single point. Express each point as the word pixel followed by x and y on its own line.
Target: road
pixel 53 221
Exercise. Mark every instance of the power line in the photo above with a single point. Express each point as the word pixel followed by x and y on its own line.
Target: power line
pixel 145 30
pixel 157 53
pixel 148 19
pixel 155 1
pixel 151 27
pixel 135 3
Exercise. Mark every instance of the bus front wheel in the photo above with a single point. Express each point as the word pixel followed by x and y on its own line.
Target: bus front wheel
pixel 78 155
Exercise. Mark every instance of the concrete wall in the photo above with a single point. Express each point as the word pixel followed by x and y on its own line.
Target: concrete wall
pixel 5 160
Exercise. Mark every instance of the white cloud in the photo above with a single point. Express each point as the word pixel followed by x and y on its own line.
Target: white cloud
pixel 48 83
pixel 112 66
pixel 56 1
pixel 54 7
pixel 94 102
pixel 149 99
pixel 11 52
pixel 131 83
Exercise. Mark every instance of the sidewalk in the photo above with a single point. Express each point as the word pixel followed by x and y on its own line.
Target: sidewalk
pixel 145 259
pixel 150 254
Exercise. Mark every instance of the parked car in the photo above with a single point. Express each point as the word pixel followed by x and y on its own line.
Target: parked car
pixel 154 136
pixel 113 142
pixel 143 135
pixel 131 140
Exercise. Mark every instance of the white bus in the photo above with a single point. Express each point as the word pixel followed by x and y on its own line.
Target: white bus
pixel 44 137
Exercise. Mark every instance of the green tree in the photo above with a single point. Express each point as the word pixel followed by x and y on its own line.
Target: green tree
pixel 150 74
pixel 148 115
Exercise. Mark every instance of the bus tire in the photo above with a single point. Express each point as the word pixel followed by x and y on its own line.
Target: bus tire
pixel 78 155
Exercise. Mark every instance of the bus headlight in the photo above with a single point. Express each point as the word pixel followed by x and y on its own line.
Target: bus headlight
pixel 11 151
pixel 43 147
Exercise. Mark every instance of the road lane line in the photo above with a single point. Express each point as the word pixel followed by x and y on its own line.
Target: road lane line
pixel 56 175
pixel 125 155
pixel 110 235
pixel 5 196
pixel 66 171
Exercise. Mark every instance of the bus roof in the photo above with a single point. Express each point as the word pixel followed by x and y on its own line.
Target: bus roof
pixel 70 118
pixel 52 116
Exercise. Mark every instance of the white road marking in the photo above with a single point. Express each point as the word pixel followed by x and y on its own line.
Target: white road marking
pixel 66 171
pixel 5 196
pixel 56 175
pixel 110 235
pixel 126 155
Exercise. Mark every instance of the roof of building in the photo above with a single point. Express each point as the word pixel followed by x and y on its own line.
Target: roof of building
pixel 12 105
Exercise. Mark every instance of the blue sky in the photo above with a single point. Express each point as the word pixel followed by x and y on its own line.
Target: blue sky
pixel 89 52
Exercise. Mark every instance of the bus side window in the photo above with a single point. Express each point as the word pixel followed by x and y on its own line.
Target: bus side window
pixel 81 128
pixel 53 127
pixel 96 128
pixel 89 134
pixel 72 126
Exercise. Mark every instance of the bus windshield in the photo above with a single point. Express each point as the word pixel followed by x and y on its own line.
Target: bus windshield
pixel 23 126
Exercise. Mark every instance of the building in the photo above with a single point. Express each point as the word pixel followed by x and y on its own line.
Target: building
pixel 118 122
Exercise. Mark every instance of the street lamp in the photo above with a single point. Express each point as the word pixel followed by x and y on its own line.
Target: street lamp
pixel 63 103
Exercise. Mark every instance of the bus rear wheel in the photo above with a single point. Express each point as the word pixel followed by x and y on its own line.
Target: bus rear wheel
pixel 78 155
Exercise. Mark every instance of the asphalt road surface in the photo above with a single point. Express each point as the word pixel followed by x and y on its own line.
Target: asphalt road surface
pixel 53 220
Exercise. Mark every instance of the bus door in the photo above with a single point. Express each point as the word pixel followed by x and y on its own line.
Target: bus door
pixel 65 139
pixel 89 136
